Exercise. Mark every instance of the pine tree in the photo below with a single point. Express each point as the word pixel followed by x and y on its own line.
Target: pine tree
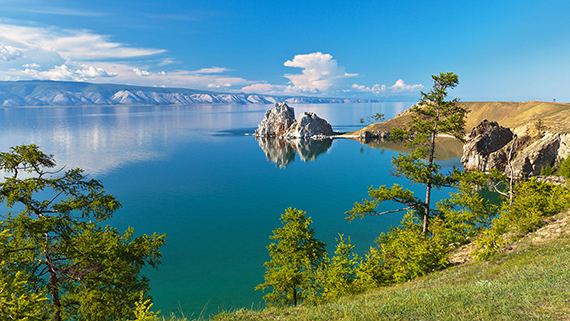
pixel 432 116
pixel 56 255
pixel 295 257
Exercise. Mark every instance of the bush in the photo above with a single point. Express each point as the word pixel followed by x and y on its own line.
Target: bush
pixel 565 168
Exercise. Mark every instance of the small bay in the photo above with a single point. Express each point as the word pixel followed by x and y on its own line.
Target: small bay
pixel 197 174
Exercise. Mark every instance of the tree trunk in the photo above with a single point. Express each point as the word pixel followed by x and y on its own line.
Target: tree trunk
pixel 295 296
pixel 53 284
pixel 428 185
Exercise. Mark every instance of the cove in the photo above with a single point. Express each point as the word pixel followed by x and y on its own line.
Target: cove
pixel 195 173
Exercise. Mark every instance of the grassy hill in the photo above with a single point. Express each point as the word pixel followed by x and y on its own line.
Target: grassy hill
pixel 519 116
pixel 530 281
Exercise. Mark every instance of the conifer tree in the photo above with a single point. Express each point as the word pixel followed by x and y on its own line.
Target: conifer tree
pixel 295 257
pixel 56 257
pixel 432 115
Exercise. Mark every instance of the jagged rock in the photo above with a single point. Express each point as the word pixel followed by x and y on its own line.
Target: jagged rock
pixel 485 139
pixel 309 125
pixel 277 121
pixel 542 153
pixel 280 122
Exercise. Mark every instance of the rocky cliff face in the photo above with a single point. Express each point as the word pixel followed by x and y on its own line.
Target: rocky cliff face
pixel 309 125
pixel 485 139
pixel 489 144
pixel 276 122
pixel 280 122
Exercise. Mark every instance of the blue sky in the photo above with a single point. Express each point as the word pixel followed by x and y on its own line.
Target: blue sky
pixel 501 50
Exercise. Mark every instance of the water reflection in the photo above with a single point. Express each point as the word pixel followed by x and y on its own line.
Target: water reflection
pixel 282 152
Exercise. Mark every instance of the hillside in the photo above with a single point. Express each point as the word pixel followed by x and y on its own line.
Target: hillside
pixel 59 93
pixel 531 281
pixel 519 116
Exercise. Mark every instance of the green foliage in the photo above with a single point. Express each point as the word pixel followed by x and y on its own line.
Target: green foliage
pixel 564 170
pixel 533 201
pixel 71 265
pixel 295 259
pixel 546 170
pixel 406 254
pixel 337 277
pixel 142 310
pixel 466 213
pixel 432 115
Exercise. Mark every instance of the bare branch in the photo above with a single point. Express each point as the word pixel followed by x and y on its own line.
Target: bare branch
pixel 393 211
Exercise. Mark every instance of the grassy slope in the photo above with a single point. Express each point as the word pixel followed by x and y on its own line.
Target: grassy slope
pixel 510 114
pixel 531 282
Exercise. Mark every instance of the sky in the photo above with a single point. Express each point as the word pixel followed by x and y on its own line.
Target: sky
pixel 501 50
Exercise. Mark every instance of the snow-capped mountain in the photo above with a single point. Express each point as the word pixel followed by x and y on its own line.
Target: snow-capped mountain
pixel 57 93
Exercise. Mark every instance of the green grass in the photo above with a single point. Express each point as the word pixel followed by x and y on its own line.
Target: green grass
pixel 530 283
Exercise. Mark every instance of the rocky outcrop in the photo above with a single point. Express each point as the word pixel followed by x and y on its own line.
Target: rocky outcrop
pixel 544 152
pixel 276 122
pixel 280 122
pixel 489 144
pixel 486 139
pixel 309 125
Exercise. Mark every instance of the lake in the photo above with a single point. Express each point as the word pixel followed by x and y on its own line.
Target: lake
pixel 195 173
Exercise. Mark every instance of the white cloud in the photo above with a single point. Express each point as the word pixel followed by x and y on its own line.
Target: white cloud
pixel 65 72
pixel 266 89
pixel 92 72
pixel 212 70
pixel 320 73
pixel 399 87
pixel 32 66
pixel 141 73
pixel 8 53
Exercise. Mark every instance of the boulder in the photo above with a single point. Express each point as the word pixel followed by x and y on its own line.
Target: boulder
pixel 277 121
pixel 309 125
pixel 486 139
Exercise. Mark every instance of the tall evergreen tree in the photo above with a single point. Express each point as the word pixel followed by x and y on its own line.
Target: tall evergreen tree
pixel 295 257
pixel 56 255
pixel 432 115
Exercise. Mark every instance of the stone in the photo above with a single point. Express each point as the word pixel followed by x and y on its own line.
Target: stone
pixel 484 140
pixel 277 121
pixel 542 153
pixel 309 125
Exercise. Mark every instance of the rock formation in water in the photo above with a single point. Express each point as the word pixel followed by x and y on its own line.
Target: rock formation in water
pixel 489 144
pixel 280 122
pixel 309 125
pixel 276 122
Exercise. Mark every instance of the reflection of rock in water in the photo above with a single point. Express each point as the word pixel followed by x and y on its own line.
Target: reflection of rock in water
pixel 282 152
pixel 309 149
pixel 277 150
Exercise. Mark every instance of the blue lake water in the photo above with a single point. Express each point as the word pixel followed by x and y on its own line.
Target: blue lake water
pixel 194 173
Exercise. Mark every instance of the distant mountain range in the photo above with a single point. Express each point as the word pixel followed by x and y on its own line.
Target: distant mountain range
pixel 59 93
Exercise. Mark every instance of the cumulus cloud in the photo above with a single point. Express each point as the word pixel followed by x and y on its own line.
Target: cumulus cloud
pixel 67 73
pixel 8 53
pixel 141 72
pixel 320 72
pixel 399 87
pixel 92 72
pixel 32 66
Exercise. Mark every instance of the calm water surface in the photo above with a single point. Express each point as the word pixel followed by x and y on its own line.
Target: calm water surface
pixel 196 174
